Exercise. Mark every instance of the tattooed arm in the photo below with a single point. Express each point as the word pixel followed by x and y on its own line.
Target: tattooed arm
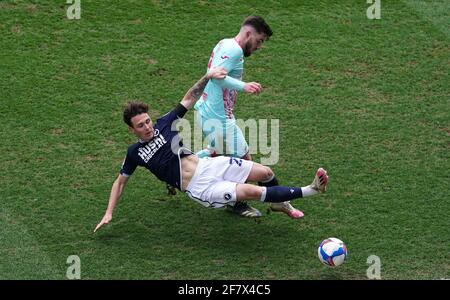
pixel 196 91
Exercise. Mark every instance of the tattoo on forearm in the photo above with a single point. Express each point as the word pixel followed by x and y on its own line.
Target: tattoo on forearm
pixel 197 90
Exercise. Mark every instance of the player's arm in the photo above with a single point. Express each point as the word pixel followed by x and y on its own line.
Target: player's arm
pixel 196 91
pixel 229 62
pixel 230 83
pixel 235 84
pixel 116 191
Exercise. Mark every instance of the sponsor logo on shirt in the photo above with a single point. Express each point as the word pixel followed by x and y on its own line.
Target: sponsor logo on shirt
pixel 146 152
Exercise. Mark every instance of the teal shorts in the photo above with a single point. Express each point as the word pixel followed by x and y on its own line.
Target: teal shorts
pixel 223 139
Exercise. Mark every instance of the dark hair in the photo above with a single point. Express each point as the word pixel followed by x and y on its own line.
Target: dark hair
pixel 133 109
pixel 259 24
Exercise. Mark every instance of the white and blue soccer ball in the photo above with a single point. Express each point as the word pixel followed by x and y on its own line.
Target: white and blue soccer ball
pixel 332 252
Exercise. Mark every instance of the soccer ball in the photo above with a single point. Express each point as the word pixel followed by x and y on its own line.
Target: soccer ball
pixel 332 252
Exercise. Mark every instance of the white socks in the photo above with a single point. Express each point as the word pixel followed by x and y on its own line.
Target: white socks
pixel 308 191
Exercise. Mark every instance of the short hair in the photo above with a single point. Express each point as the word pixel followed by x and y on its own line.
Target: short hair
pixel 133 109
pixel 258 24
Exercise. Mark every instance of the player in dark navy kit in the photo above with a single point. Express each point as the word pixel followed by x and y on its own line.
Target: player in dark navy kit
pixel 212 182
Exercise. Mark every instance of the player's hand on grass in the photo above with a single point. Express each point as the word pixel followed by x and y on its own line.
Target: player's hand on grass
pixel 252 88
pixel 105 220
pixel 217 73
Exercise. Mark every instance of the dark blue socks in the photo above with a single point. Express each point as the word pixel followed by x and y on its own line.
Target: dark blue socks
pixel 281 193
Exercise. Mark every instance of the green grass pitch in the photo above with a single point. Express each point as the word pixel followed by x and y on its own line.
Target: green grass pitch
pixel 366 99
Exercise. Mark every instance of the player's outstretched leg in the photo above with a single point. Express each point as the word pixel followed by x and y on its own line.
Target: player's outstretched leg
pixel 285 207
pixel 279 196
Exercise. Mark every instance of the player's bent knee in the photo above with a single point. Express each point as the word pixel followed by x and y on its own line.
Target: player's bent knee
pixel 260 173
pixel 269 173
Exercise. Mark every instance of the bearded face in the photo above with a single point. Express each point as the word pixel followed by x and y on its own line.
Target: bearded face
pixel 254 42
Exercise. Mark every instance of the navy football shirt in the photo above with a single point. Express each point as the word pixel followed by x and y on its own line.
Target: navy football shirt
pixel 157 154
